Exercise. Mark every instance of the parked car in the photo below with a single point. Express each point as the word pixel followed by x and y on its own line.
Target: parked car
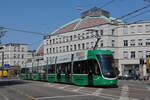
pixel 128 77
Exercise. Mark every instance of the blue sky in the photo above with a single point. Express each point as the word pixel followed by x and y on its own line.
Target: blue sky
pixel 46 16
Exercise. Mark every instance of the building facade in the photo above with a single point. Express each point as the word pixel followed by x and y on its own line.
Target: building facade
pixel 13 54
pixel 128 41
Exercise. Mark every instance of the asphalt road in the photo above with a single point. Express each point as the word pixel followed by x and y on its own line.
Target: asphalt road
pixel 33 90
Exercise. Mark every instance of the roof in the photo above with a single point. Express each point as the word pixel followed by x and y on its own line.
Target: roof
pixel 40 50
pixel 88 21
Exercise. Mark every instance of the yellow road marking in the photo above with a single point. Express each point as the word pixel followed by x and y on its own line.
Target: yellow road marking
pixel 23 93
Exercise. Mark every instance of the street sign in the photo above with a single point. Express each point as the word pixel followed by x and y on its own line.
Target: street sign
pixel 6 66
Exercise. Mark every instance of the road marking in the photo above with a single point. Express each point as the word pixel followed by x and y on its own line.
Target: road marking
pixel 4 96
pixel 148 88
pixel 62 87
pixel 124 93
pixel 98 91
pixel 78 89
pixel 22 93
pixel 68 96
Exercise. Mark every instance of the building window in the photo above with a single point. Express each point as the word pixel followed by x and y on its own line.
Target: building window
pixel 79 36
pixel 79 47
pixel 67 39
pixel 140 54
pixel 60 49
pixel 67 48
pixel 113 31
pixel 53 41
pixel 101 32
pixel 47 50
pixel 132 42
pixel 63 48
pixel 87 35
pixel 113 43
pixel 125 30
pixel 64 39
pixel 15 56
pixel 147 28
pixel 47 42
pixel 140 29
pixel 132 54
pixel 147 54
pixel 140 42
pixel 132 29
pixel 56 49
pixel 14 49
pixel 125 42
pixel 22 56
pixel 101 43
pixel 125 54
pixel 53 50
pixel 147 42
pixel 50 41
pixel 83 36
pixel 83 46
pixel 92 44
pixel 70 38
pixel 50 50
pixel 75 47
pixel 87 45
pixel 70 47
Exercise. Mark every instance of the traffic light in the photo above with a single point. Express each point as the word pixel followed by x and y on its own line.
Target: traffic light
pixel 142 61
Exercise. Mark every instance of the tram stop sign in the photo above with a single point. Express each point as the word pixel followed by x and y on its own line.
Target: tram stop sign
pixel 6 66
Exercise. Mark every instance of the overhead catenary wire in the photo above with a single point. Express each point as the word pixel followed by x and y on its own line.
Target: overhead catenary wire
pixel 107 3
pixel 26 31
pixel 137 15
pixel 104 5
pixel 133 12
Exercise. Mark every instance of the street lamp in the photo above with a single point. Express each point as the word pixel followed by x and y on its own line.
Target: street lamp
pixel 98 37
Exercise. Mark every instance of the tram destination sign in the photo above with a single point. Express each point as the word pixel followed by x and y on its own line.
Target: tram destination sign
pixel 80 56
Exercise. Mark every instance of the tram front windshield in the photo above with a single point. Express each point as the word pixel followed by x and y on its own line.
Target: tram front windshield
pixel 107 65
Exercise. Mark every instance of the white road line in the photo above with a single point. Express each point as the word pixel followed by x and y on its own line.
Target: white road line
pixel 124 93
pixel 148 88
pixel 98 91
pixel 4 96
pixel 62 87
pixel 78 89
pixel 68 96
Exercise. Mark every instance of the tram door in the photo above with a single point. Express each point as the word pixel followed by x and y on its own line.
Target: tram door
pixel 58 73
pixel 90 78
pixel 90 72
pixel 67 72
pixel 44 76
pixel 39 76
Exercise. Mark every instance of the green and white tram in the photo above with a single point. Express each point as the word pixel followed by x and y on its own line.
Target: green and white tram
pixel 91 67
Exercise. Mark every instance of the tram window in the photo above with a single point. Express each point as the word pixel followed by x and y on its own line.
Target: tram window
pixel 25 70
pixel 51 69
pixel 85 67
pixel 64 68
pixel 34 69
